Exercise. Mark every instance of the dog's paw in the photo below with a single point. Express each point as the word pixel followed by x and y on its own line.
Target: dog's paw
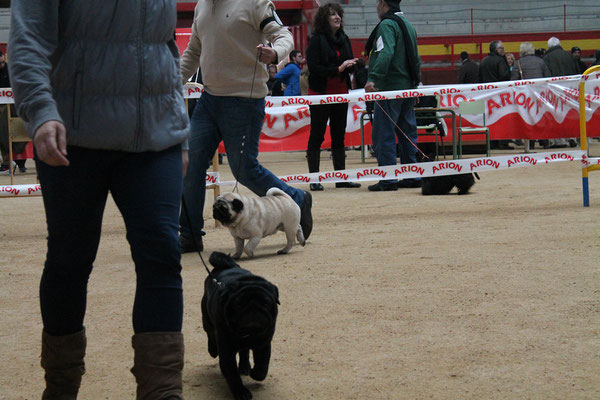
pixel 249 253
pixel 213 350
pixel 236 256
pixel 282 251
pixel 258 374
pixel 241 393
pixel 244 369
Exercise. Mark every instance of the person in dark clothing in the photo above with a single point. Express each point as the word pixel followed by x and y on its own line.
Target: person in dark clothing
pixel 4 75
pixel 274 84
pixel 576 53
pixel 102 124
pixel 361 74
pixel 330 59
pixel 559 61
pixel 469 71
pixel 16 147
pixel 494 68
pixel 597 55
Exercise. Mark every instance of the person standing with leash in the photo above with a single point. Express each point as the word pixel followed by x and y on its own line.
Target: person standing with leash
pixel 99 88
pixel 228 42
pixel 394 65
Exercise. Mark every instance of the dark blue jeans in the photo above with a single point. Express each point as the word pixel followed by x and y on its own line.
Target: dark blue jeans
pixel 237 121
pixel 386 115
pixel 147 190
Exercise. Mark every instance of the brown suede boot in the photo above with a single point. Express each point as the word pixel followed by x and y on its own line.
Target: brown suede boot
pixel 158 365
pixel 62 359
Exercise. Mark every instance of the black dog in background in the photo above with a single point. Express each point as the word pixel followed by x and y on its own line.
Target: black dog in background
pixel 438 185
pixel 239 311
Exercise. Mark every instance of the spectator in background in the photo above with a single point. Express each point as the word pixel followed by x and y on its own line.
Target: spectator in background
pixel 469 70
pixel 360 75
pixel 597 55
pixel 529 66
pixel 19 146
pixel 540 52
pixel 560 63
pixel 510 60
pixel 394 65
pixel 274 84
pixel 290 74
pixel 576 53
pixel 330 59
pixel 494 68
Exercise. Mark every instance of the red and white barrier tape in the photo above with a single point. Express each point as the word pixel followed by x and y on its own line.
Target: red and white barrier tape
pixel 193 91
pixel 436 168
pixel 420 170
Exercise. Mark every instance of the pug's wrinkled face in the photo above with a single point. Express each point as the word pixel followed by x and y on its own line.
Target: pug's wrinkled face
pixel 225 209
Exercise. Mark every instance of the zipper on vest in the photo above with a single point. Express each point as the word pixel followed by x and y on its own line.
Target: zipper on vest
pixel 140 48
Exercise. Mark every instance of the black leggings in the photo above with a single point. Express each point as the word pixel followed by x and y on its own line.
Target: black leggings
pixel 336 114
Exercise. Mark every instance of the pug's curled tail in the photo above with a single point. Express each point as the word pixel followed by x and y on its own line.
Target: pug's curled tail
pixel 222 261
pixel 277 192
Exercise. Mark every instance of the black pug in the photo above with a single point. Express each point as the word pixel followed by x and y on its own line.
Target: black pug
pixel 239 311
pixel 437 185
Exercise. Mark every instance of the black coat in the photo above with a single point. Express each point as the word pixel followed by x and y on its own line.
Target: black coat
pixel 494 68
pixel 469 72
pixel 323 61
pixel 4 77
pixel 560 62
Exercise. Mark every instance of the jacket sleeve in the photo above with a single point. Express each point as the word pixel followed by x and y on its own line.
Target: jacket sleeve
pixel 190 60
pixel 384 47
pixel 278 35
pixel 285 74
pixel 315 64
pixel 33 39
pixel 545 70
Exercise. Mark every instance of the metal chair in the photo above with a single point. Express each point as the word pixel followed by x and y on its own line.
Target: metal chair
pixel 427 120
pixel 472 108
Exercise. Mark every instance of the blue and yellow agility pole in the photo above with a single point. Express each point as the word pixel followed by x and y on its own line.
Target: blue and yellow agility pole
pixel 583 135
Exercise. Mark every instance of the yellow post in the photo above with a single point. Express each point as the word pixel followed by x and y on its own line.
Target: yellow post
pixel 583 134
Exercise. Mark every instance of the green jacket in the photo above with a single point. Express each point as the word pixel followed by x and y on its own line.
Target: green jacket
pixel 388 62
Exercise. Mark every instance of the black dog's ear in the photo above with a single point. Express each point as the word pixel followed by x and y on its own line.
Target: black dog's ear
pixel 222 261
pixel 237 205
pixel 276 292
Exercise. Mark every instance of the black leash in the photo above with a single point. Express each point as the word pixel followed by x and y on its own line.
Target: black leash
pixel 235 188
pixel 401 131
pixel 187 217
pixel 183 203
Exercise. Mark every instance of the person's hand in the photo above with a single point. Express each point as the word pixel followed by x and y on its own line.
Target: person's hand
pixel 266 54
pixel 347 64
pixel 50 141
pixel 185 160
pixel 370 87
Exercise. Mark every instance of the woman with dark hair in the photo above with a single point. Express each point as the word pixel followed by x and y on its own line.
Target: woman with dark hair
pixel 329 57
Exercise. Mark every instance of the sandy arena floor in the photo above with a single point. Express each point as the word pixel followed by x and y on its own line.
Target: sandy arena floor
pixel 494 295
